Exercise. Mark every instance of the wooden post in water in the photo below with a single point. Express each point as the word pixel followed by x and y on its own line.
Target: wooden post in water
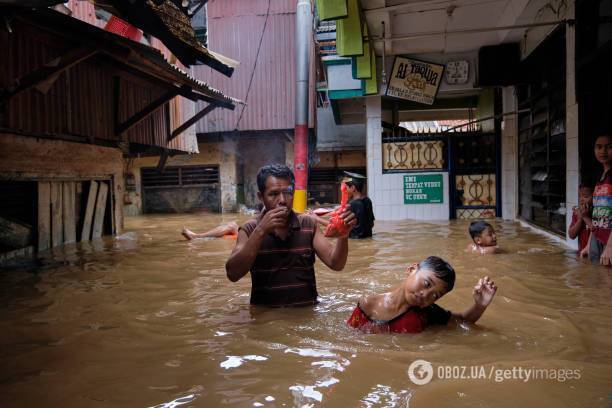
pixel 89 210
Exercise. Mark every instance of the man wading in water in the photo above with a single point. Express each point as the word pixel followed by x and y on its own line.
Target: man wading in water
pixel 279 246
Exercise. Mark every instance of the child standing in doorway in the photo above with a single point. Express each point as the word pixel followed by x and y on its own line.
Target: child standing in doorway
pixel 582 224
pixel 600 249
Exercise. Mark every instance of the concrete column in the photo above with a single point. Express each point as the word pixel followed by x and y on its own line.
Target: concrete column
pixel 509 164
pixel 228 173
pixel 572 170
pixel 374 152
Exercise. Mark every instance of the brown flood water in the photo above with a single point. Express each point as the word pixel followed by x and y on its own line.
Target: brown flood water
pixel 149 319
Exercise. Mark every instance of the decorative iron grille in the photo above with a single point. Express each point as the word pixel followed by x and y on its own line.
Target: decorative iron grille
pixel 408 155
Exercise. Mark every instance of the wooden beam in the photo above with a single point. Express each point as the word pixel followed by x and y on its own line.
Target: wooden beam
pixel 196 96
pixel 89 210
pixel 44 215
pixel 49 70
pixel 98 224
pixel 163 158
pixel 191 121
pixel 146 111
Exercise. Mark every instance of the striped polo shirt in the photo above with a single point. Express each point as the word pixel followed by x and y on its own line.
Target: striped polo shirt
pixel 283 272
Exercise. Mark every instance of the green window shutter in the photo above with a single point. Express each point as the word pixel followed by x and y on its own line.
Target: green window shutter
pixel 331 9
pixel 349 39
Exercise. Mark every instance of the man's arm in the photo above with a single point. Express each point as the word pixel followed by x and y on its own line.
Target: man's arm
pixel 244 253
pixel 334 256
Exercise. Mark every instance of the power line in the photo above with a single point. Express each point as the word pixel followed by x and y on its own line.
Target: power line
pixel 246 99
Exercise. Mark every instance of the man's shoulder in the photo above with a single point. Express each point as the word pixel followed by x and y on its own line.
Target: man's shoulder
pixel 306 220
pixel 250 225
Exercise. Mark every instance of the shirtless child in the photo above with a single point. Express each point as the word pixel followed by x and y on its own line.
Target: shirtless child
pixel 411 308
pixel 229 229
pixel 483 237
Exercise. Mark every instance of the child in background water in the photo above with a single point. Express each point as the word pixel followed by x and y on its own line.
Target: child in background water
pixel 411 308
pixel 581 219
pixel 484 237
pixel 600 248
pixel 229 230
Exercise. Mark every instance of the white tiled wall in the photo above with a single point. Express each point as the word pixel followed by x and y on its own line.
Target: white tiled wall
pixel 386 190
pixel 509 162
pixel 572 170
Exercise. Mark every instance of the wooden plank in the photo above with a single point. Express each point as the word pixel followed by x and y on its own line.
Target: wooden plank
pixel 44 215
pixel 98 224
pixel 89 210
pixel 68 200
pixel 111 197
pixel 146 111
pixel 191 121
pixel 57 224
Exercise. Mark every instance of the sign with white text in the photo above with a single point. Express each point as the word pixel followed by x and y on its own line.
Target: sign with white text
pixel 423 189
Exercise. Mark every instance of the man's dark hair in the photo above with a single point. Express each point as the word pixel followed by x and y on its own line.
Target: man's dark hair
pixel 441 269
pixel 476 228
pixel 357 183
pixel 275 170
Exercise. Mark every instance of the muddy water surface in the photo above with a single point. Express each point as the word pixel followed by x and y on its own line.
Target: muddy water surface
pixel 149 319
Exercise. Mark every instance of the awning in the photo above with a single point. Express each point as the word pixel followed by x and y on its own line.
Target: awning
pixel 127 53
pixel 160 18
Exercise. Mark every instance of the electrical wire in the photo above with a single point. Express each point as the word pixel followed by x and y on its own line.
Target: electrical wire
pixel 246 99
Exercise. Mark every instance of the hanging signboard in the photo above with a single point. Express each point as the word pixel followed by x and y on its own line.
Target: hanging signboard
pixel 414 80
pixel 423 189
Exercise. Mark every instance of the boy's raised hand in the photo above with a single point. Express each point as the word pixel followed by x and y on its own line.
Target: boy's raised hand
pixel 484 291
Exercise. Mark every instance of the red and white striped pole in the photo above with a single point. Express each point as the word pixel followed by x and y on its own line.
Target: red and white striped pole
pixel 303 36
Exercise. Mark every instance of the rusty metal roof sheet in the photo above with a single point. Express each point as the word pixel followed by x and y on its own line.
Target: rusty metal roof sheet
pixel 140 56
pixel 160 18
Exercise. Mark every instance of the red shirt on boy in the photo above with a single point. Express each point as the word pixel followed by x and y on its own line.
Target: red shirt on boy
pixel 583 235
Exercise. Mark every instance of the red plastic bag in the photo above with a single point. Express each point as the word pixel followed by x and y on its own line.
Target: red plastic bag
pixel 337 227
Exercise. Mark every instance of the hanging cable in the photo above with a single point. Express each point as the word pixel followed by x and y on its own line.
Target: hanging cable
pixel 246 99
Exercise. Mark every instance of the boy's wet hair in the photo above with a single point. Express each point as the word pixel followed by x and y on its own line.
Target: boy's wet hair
pixel 276 170
pixel 476 228
pixel 585 185
pixel 441 269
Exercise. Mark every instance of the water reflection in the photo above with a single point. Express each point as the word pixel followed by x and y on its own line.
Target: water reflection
pixel 149 317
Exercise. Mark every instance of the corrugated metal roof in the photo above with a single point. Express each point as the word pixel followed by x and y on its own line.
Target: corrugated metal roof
pixel 80 101
pixel 234 29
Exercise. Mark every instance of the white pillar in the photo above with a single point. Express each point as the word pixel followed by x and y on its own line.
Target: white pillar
pixel 572 170
pixel 374 152
pixel 509 164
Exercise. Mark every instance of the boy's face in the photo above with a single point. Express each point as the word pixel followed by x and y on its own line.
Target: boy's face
pixel 487 238
pixel 585 196
pixel 422 287
pixel 350 189
pixel 603 149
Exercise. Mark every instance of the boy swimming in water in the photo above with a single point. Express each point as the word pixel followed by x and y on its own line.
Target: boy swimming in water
pixel 410 307
pixel 483 237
